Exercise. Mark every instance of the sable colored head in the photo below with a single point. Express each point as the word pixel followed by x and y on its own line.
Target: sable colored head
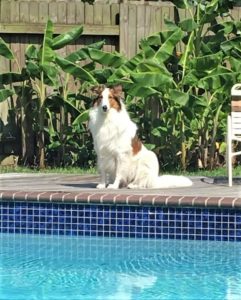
pixel 108 97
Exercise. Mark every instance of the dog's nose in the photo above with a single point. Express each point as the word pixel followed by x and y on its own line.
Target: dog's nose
pixel 104 107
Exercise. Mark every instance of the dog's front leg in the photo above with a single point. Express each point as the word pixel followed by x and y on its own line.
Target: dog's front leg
pixel 116 183
pixel 119 173
pixel 103 181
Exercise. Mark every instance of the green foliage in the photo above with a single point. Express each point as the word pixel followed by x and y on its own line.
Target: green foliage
pixel 45 97
pixel 186 95
pixel 179 99
pixel 5 51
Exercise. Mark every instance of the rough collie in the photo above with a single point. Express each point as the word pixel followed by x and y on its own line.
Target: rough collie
pixel 123 161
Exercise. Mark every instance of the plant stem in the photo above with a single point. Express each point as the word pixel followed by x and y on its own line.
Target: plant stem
pixel 41 123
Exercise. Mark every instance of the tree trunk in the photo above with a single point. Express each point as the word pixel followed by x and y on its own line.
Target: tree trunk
pixel 41 139
pixel 27 135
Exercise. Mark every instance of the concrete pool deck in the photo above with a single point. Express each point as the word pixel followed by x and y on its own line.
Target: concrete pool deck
pixel 205 192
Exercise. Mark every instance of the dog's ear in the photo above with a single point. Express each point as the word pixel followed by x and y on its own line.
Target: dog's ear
pixel 97 90
pixel 117 91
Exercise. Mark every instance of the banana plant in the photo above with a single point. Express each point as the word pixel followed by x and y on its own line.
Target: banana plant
pixel 43 68
pixel 7 53
pixel 38 75
pixel 191 87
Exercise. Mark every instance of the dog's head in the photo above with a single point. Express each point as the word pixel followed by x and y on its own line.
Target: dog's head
pixel 108 97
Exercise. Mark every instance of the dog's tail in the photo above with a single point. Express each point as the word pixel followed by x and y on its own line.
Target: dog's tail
pixel 171 181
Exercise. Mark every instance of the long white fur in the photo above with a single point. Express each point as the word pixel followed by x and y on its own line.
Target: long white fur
pixel 112 133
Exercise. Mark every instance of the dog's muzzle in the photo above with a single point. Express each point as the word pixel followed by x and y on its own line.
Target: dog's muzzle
pixel 104 107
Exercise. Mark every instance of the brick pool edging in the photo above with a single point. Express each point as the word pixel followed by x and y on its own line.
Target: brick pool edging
pixel 121 198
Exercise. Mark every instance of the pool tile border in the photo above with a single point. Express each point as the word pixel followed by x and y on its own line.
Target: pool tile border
pixel 121 198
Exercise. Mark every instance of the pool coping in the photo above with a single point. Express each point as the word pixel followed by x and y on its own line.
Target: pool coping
pixel 81 189
pixel 120 198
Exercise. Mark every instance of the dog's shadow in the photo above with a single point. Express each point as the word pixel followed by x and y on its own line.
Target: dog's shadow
pixel 87 185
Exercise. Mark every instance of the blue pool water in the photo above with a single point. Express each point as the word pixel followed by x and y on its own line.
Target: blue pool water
pixel 52 267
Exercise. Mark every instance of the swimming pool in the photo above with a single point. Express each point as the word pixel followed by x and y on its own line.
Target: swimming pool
pixel 34 267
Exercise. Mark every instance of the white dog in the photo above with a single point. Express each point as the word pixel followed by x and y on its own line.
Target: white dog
pixel 122 159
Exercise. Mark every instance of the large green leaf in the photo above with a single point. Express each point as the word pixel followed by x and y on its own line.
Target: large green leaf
pixel 211 6
pixel 5 51
pixel 178 97
pixel 195 101
pixel 232 44
pixel 171 40
pixel 151 79
pixel 213 42
pixel 83 53
pixel 46 53
pixel 33 69
pixel 66 38
pixel 155 39
pixel 190 78
pixel 188 25
pixel 235 64
pixel 221 78
pixel 72 105
pixel 171 25
pixel 125 82
pixel 75 70
pixel 147 49
pixel 50 74
pixel 8 78
pixel 51 131
pixel 125 69
pixel 138 90
pixel 102 75
pixel 83 117
pixel 106 58
pixel 31 52
pixel 5 93
pixel 152 66
pixel 203 65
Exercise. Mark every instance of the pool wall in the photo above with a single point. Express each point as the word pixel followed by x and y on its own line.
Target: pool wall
pixel 116 220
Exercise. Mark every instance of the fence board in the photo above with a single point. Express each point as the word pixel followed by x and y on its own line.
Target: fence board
pixel 157 20
pixel 52 12
pixel 5 10
pixel 14 11
pixel 33 12
pixel 132 32
pixel 124 14
pixel 71 13
pixel 89 14
pixel 80 13
pixel 62 13
pixel 106 11
pixel 140 24
pixel 115 14
pixel 24 12
pixel 147 20
pixel 43 12
pixel 165 15
pixel 4 106
pixel 98 13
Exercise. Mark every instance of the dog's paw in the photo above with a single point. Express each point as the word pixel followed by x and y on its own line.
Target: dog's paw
pixel 112 186
pixel 132 186
pixel 101 186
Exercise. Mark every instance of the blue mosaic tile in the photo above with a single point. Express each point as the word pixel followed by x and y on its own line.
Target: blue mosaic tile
pixel 120 221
